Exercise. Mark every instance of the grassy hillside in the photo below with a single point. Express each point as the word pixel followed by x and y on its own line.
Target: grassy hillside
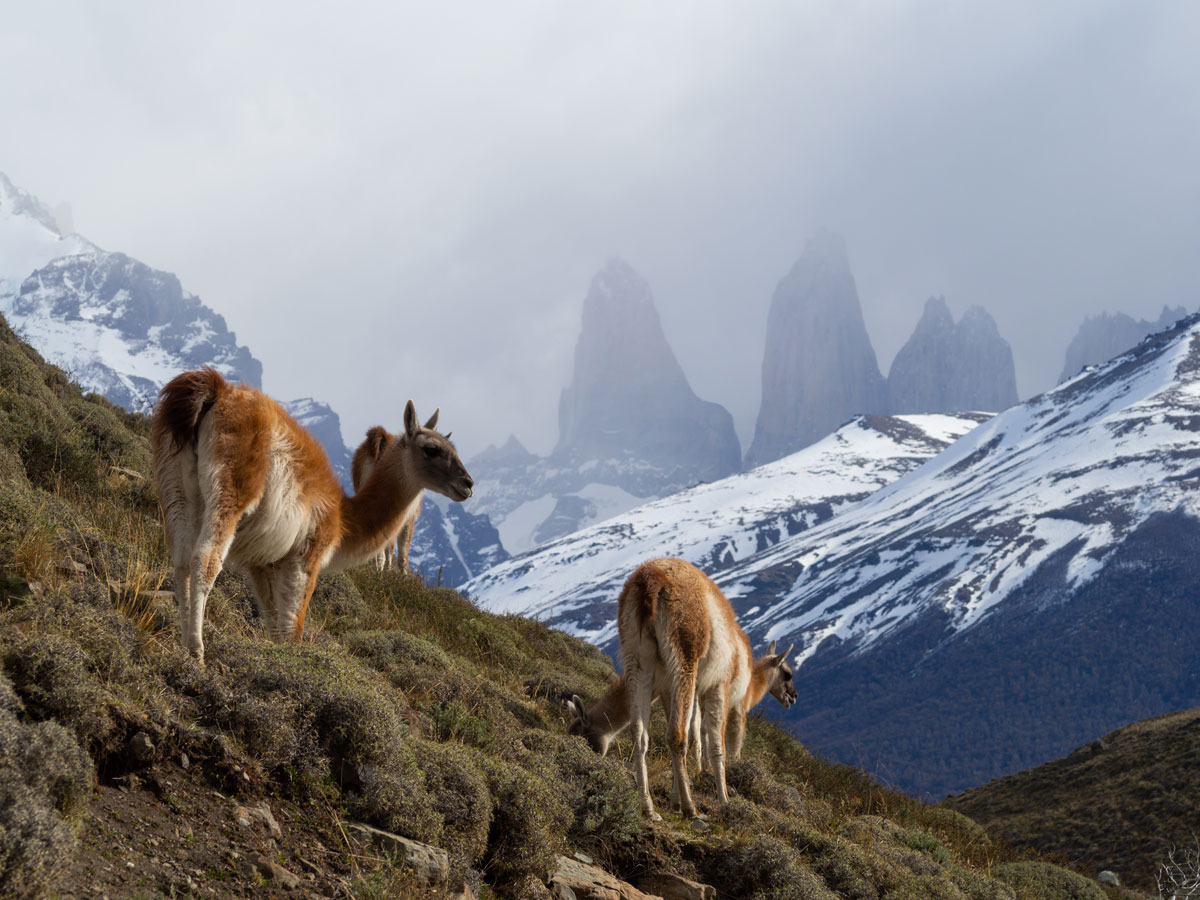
pixel 1119 803
pixel 128 771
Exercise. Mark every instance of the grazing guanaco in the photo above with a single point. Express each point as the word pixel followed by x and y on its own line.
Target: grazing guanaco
pixel 240 481
pixel 681 642
pixel 361 466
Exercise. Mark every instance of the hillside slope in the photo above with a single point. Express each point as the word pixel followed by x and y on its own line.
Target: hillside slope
pixel 129 772
pixel 1121 802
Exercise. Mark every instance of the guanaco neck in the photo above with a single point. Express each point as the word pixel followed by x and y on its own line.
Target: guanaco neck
pixel 759 681
pixel 610 714
pixel 374 514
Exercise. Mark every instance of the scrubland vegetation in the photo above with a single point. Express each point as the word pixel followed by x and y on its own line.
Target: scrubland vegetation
pixel 406 708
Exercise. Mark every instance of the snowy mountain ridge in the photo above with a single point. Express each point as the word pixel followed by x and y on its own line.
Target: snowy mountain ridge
pixel 573 582
pixel 1060 479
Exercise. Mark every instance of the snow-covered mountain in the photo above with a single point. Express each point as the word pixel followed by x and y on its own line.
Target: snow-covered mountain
pixel 451 544
pixel 120 328
pixel 1027 590
pixel 1065 477
pixel 326 427
pixel 1106 335
pixel 115 325
pixel 1031 588
pixel 573 582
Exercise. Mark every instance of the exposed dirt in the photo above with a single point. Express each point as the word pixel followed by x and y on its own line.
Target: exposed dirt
pixel 165 832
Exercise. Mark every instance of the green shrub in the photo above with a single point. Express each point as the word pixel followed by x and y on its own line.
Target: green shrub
pixel 51 675
pixel 529 821
pixel 924 843
pixel 1045 881
pixel 45 778
pixel 761 867
pixel 598 790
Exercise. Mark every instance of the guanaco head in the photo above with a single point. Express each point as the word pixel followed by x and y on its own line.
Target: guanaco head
pixel 586 726
pixel 433 458
pixel 779 675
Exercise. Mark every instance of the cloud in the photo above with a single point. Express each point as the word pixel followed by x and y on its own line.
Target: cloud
pixel 402 200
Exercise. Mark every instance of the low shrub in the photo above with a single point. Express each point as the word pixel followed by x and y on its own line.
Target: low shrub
pixel 761 867
pixel 45 777
pixel 1045 881
pixel 529 820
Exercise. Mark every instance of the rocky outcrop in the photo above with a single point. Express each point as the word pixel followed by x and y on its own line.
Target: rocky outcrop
pixel 630 427
pixel 1102 337
pixel 947 367
pixel 819 369
pixel 629 400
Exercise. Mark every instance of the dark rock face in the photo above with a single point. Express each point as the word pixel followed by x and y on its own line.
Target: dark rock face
pixel 629 398
pixel 1104 336
pixel 320 419
pixel 451 544
pixel 946 367
pixel 1061 669
pixel 819 369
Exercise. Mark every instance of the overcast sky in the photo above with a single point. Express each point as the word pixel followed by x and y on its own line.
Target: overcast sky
pixel 399 199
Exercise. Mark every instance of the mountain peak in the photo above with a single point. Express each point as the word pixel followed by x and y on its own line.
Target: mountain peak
pixel 629 397
pixel 946 367
pixel 819 368
pixel 935 317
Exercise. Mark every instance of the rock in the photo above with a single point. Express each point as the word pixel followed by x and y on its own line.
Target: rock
pixel 268 868
pixel 1102 337
pixel 572 878
pixel 629 398
pixel 248 816
pixel 1109 877
pixel 947 368
pixel 819 369
pixel 142 748
pixel 430 865
pixel 676 887
pixel 262 814
pixel 184 761
pixel 68 566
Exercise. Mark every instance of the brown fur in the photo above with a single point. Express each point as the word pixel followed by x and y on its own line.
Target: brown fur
pixel 680 642
pixel 363 463
pixel 240 479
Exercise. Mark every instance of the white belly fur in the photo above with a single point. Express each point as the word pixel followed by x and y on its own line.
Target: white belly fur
pixel 277 525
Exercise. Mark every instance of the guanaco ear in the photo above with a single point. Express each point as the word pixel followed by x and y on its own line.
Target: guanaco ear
pixel 411 427
pixel 784 655
pixel 771 649
pixel 376 438
pixel 433 419
pixel 575 705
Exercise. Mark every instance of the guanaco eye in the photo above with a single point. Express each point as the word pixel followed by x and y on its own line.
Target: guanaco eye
pixel 787 676
pixel 432 450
